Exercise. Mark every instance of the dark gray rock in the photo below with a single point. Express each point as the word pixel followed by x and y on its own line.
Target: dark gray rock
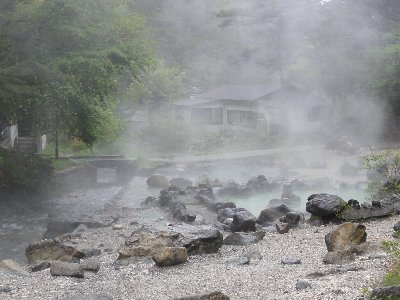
pixel 88 297
pixel 180 212
pixel 5 289
pixel 230 190
pixel 389 292
pixel 396 226
pixel 244 239
pixel 282 228
pixel 222 205
pixel 157 181
pixel 41 266
pixel 243 221
pixel 272 214
pixel 325 205
pixel 291 262
pixel 180 182
pixel 353 203
pixel 66 269
pixel 206 201
pixel 292 219
pixel 334 271
pixel 165 198
pixel 227 213
pixel 302 285
pixel 210 296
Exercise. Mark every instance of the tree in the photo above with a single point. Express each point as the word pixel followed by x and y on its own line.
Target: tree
pixel 156 87
pixel 63 60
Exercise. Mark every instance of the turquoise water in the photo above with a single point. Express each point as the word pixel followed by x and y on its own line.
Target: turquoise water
pixel 257 203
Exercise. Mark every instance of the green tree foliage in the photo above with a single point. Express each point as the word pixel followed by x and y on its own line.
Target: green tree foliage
pixel 61 62
pixel 156 87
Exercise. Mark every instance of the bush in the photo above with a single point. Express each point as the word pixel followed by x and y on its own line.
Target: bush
pixel 384 168
pixel 24 172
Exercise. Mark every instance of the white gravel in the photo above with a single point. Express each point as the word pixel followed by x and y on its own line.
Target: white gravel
pixel 266 279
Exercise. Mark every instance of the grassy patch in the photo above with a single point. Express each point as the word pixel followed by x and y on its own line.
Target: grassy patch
pixel 63 164
pixel 393 276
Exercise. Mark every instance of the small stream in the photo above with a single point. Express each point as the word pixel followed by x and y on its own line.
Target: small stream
pixel 23 223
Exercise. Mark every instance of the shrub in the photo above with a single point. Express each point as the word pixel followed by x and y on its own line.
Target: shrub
pixel 24 172
pixel 384 167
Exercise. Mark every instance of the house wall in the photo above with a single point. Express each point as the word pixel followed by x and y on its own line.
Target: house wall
pixel 292 110
pixel 186 116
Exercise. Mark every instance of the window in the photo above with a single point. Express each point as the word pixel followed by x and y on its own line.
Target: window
pixel 242 118
pixel 207 115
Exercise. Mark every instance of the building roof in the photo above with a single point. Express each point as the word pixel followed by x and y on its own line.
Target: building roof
pixel 239 92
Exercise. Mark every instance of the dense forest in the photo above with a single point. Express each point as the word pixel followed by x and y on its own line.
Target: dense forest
pixel 68 65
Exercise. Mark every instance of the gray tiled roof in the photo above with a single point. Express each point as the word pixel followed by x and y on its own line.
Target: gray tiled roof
pixel 239 92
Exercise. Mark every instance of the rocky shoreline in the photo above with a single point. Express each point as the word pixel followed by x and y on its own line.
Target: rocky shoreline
pixel 257 262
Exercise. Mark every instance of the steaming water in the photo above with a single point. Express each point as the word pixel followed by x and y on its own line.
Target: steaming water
pixel 23 225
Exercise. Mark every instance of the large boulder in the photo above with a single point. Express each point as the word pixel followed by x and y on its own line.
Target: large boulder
pixel 292 219
pixel 231 190
pixel 180 182
pixel 199 239
pixel 243 221
pixel 180 212
pixel 244 239
pixel 210 296
pixel 11 267
pixel 170 256
pixel 271 214
pixel 50 250
pixel 196 239
pixel 66 269
pixel 58 225
pixel 345 236
pixel 367 211
pixel 158 181
pixel 325 205
pixel 227 213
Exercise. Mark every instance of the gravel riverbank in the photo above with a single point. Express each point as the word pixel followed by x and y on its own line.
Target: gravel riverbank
pixel 265 277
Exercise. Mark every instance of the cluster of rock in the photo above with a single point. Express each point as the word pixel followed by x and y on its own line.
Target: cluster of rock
pixel 281 217
pixel 325 208
pixel 172 247
pixel 62 260
pixel 256 185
